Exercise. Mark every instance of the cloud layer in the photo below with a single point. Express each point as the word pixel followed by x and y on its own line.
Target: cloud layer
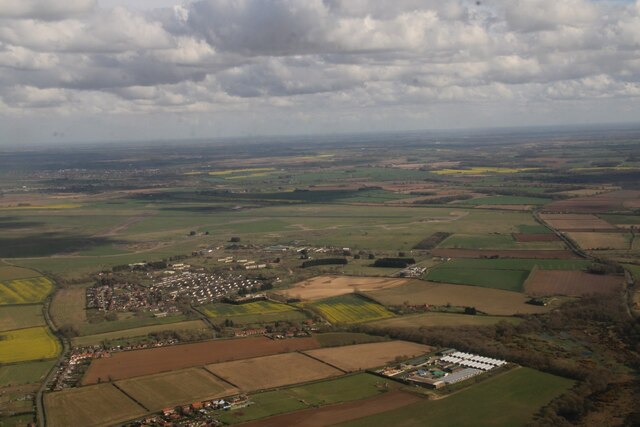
pixel 346 63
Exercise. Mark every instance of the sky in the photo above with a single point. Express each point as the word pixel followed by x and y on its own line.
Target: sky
pixel 120 70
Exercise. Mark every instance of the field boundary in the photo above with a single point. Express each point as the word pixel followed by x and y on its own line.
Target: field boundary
pixel 130 397
pixel 326 363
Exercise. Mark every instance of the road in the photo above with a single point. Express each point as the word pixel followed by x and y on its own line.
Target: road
pixel 39 401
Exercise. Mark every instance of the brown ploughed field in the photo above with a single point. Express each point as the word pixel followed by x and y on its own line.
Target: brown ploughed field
pixel 129 364
pixel 364 356
pixel 272 371
pixel 571 283
pixel 612 201
pixel 340 413
pixel 576 222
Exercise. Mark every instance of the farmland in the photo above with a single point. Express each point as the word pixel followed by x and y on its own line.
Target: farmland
pixel 191 325
pixel 330 286
pixel 151 361
pixel 24 291
pixel 365 356
pixel 252 312
pixel 125 236
pixel 28 344
pixel 505 274
pixel 20 316
pixel 504 401
pixel 320 417
pixel 8 272
pixel 486 300
pixel 24 373
pixel 572 283
pixel 442 319
pixel 169 389
pixel 68 306
pixel 599 240
pixel 348 388
pixel 90 406
pixel 349 309
pixel 272 371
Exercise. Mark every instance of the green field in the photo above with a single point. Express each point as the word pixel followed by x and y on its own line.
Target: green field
pixel 506 274
pixel 508 400
pixel 443 319
pixel 191 325
pixel 506 200
pixel 350 309
pixel 128 321
pixel 352 387
pixel 28 344
pixel 20 316
pixel 8 272
pixel 25 291
pixel 253 312
pixel 24 373
pixel 494 241
pixel 337 339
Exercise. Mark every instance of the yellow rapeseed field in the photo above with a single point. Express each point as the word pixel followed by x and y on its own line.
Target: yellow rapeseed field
pixel 28 344
pixel 350 309
pixel 25 291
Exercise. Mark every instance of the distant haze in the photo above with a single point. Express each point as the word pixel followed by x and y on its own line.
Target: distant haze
pixel 115 70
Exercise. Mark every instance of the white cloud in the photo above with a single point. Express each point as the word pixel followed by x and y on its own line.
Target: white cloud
pixel 320 59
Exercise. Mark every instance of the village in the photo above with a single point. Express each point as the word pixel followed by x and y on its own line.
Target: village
pixel 179 283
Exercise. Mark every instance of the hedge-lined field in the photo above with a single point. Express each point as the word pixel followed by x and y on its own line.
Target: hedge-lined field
pixel 350 309
pixel 25 291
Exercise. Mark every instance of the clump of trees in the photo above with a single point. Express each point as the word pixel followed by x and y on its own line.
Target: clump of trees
pixel 394 262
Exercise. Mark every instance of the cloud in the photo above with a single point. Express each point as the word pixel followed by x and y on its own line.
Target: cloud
pixel 317 58
pixel 45 9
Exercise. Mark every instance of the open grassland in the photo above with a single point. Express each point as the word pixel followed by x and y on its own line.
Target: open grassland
pixel 99 405
pixel 336 339
pixel 24 373
pixel 155 360
pixel 9 272
pixel 349 309
pixel 191 325
pixel 18 420
pixel 169 389
pixel 502 241
pixel 506 400
pixel 345 389
pixel 25 291
pixel 28 344
pixel 571 283
pixel 365 356
pixel 443 319
pixel 20 316
pixel 272 371
pixel 68 306
pixel 486 300
pixel 594 241
pixel 330 286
